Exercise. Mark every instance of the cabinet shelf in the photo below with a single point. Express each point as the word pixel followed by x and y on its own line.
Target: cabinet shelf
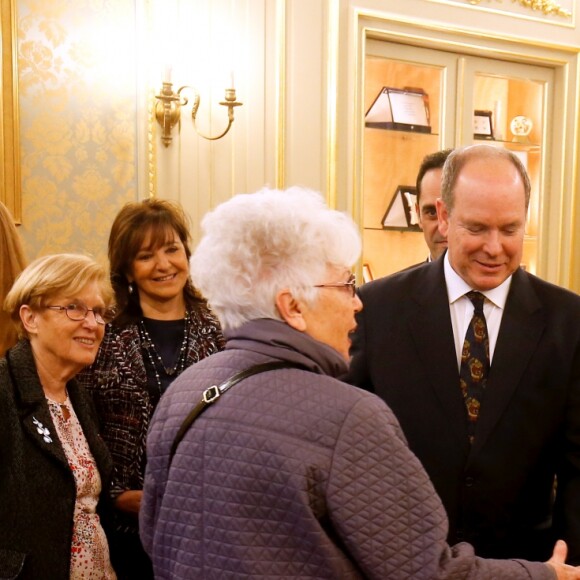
pixel 514 145
pixel 403 131
pixel 377 229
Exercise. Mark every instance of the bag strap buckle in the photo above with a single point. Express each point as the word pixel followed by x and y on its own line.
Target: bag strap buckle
pixel 211 394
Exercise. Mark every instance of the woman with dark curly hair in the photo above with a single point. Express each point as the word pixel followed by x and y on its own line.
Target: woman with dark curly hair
pixel 162 327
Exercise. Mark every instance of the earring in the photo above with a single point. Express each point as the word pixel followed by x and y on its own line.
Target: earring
pixel 131 288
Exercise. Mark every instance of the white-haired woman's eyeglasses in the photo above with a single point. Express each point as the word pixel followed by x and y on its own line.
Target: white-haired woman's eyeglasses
pixel 350 283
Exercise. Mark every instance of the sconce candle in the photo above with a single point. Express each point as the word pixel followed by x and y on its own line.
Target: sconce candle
pixel 167 70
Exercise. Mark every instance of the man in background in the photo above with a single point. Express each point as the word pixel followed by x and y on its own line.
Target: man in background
pixel 428 191
pixel 480 361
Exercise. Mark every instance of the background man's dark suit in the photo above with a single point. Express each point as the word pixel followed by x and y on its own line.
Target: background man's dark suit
pixel 498 494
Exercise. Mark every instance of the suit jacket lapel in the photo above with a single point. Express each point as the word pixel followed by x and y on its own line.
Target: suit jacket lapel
pixel 33 408
pixel 430 327
pixel 520 331
pixel 37 422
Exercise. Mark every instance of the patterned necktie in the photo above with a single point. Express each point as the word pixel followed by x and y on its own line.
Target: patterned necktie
pixel 474 362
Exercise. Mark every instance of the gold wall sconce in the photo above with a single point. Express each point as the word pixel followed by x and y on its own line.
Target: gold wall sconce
pixel 168 110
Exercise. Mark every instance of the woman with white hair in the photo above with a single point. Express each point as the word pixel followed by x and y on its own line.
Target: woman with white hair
pixel 283 471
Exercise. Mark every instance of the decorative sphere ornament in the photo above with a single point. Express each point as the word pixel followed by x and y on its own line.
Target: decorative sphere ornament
pixel 521 126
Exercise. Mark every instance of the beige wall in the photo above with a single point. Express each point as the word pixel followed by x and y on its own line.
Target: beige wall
pixel 280 134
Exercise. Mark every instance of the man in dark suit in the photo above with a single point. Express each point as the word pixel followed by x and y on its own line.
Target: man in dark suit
pixel 494 467
pixel 428 186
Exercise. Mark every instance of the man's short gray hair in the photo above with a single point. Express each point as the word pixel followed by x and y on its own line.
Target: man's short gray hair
pixel 458 158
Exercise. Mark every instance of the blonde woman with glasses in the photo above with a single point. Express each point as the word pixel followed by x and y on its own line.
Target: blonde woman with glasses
pixel 55 467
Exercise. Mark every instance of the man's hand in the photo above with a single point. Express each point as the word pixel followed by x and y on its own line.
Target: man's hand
pixel 557 563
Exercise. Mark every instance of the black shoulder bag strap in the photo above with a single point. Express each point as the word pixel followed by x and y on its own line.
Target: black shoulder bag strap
pixel 213 393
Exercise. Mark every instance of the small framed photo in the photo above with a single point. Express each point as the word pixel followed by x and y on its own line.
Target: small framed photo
pixel 404 109
pixel 482 125
pixel 402 211
pixel 367 273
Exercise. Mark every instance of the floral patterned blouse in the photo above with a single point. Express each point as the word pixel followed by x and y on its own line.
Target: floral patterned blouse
pixel 89 548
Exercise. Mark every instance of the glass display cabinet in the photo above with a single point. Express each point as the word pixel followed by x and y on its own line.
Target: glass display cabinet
pixel 419 100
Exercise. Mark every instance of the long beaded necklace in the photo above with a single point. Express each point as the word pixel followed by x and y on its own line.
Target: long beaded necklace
pixel 154 357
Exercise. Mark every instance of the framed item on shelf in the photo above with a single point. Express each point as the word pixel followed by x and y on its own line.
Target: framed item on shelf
pixel 367 273
pixel 482 125
pixel 402 213
pixel 402 109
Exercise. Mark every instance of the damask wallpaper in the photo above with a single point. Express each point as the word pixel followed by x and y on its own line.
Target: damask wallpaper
pixel 78 115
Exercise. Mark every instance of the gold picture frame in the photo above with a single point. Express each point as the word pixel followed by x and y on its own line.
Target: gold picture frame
pixel 10 186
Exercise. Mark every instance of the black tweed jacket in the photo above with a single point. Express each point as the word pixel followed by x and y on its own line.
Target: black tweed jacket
pixel 117 380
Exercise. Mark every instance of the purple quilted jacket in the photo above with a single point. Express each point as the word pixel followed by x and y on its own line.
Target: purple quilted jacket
pixel 293 474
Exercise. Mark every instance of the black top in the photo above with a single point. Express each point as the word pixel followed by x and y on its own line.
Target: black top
pixel 168 338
